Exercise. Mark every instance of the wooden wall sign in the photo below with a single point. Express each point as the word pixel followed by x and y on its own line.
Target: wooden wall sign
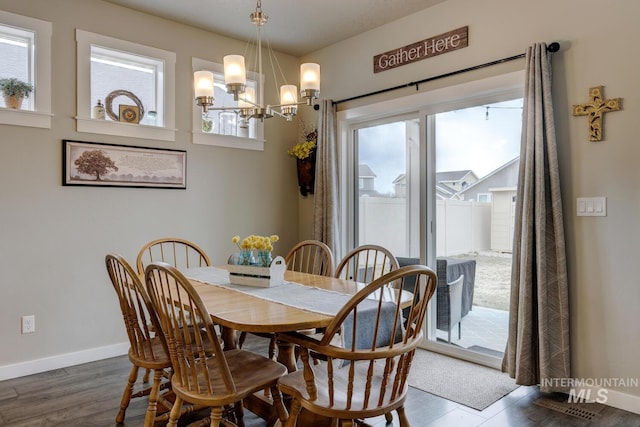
pixel 595 109
pixel 427 48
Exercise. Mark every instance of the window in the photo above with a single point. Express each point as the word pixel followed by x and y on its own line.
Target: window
pixel 225 128
pixel 484 197
pixel 118 72
pixel 25 53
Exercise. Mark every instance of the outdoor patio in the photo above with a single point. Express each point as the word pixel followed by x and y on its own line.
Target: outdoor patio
pixel 485 327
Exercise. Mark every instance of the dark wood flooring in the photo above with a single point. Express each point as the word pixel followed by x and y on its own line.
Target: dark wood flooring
pixel 89 395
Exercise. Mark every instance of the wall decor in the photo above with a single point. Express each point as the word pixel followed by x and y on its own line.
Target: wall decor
pixel 427 48
pixel 108 103
pixel 595 109
pixel 129 113
pixel 110 165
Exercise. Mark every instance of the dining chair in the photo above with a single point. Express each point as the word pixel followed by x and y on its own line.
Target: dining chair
pixel 368 347
pixel 307 256
pixel 310 256
pixel 147 349
pixel 366 263
pixel 174 251
pixel 212 378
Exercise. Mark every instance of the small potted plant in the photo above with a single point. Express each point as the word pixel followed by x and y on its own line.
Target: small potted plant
pixel 14 90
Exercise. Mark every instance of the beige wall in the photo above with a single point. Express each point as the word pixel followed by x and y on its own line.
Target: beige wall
pixel 53 239
pixel 599 42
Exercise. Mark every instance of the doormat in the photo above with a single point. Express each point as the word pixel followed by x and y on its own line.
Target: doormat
pixel 467 383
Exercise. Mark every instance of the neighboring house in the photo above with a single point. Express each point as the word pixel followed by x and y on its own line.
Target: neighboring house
pixel 400 186
pixel 366 181
pixel 456 180
pixel 448 184
pixel 504 177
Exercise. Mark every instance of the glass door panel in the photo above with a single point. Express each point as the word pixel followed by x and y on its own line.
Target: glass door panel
pixel 476 176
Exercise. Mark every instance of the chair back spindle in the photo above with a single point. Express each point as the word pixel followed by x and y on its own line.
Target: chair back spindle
pixel 174 251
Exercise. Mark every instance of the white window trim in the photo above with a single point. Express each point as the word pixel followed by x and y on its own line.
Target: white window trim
pixel 41 117
pixel 229 141
pixel 84 121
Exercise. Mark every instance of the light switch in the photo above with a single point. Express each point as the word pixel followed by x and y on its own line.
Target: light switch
pixel 591 206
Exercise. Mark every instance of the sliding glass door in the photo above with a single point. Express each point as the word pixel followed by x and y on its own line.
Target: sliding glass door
pixel 437 186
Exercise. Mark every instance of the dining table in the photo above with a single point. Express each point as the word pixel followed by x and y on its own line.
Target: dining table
pixel 303 301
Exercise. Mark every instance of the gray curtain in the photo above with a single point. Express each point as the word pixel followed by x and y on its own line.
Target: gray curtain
pixel 538 344
pixel 326 208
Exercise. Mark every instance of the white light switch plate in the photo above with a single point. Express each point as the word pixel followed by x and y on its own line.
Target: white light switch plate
pixel 591 206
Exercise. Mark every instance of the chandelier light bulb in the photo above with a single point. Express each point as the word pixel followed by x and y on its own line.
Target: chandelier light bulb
pixel 203 83
pixel 234 70
pixel 310 76
pixel 288 95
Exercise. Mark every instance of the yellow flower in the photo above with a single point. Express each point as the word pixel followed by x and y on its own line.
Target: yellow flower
pixel 253 242
pixel 303 149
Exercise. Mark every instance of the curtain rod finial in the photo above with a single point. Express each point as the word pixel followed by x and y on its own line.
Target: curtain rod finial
pixel 553 47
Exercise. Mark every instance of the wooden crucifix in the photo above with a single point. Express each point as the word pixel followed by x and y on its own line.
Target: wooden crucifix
pixel 595 109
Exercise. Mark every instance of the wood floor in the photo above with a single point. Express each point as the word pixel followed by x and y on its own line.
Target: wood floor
pixel 89 395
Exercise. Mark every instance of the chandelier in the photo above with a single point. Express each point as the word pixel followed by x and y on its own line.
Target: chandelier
pixel 250 103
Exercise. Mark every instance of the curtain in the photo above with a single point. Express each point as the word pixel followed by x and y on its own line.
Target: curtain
pixel 326 208
pixel 537 349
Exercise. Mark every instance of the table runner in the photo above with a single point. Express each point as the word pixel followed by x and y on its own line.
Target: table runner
pixel 292 294
pixel 316 300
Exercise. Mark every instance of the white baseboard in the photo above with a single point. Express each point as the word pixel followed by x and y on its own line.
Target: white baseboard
pixel 62 361
pixel 626 402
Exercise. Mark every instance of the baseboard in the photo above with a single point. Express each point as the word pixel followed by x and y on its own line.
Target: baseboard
pixel 62 361
pixel 626 402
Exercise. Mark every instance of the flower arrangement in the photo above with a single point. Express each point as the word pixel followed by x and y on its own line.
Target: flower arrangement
pixel 262 244
pixel 303 149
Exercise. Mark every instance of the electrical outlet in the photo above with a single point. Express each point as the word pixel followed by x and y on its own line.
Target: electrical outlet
pixel 28 324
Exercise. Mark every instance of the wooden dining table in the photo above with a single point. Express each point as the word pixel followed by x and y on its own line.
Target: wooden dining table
pixel 236 311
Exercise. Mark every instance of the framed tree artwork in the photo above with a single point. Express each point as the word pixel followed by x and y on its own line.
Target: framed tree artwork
pixel 110 165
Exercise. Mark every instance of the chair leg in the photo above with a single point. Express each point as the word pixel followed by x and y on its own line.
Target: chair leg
pixel 126 396
pixel 145 378
pixel 388 417
pixel 216 416
pixel 175 412
pixel 279 404
pixel 402 417
pixel 293 413
pixel 152 408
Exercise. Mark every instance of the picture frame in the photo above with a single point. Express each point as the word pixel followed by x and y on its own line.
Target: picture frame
pixel 111 165
pixel 129 113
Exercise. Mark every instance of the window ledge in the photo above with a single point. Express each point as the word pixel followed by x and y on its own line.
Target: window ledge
pixel 107 127
pixel 227 141
pixel 9 116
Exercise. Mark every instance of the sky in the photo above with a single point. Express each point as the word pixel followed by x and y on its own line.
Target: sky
pixel 478 138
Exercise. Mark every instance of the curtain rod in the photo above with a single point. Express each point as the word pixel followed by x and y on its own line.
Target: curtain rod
pixel 553 47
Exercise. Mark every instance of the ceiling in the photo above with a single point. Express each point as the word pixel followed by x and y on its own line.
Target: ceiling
pixel 296 27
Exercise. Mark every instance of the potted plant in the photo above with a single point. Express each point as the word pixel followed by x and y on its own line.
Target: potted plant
pixel 14 90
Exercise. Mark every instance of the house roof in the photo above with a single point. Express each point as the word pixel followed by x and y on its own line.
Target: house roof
pixel 364 171
pixel 449 176
pixel 484 178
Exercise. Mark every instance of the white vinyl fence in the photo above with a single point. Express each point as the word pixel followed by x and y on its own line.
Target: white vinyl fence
pixel 461 226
